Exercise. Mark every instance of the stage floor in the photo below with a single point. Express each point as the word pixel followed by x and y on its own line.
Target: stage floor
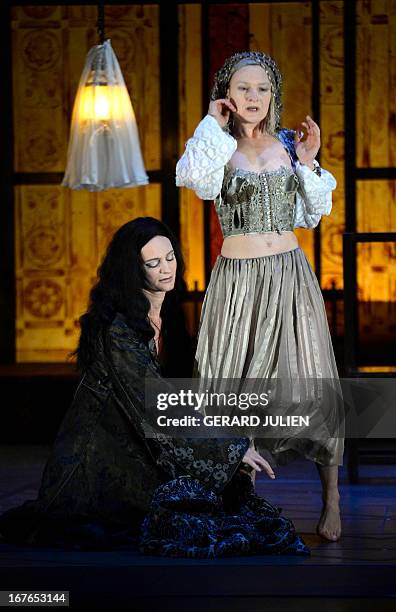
pixel 362 565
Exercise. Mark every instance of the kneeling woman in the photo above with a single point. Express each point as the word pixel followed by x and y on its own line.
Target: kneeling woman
pixel 104 476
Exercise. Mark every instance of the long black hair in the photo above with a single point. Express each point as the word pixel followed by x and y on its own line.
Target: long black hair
pixel 121 279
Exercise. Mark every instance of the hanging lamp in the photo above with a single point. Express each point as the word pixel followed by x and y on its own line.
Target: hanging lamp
pixel 104 149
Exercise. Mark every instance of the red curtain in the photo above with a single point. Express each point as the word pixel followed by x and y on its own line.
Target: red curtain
pixel 228 34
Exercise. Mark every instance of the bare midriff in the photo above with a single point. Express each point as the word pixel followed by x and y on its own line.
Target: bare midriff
pixel 247 246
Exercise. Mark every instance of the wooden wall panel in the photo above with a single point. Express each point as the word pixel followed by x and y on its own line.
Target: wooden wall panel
pixel 61 238
pixel 44 327
pixel 60 234
pixel 191 113
pixel 376 111
pixel 39 123
pixel 284 31
pixel 377 262
pixel 332 134
pixel 376 147
pixel 376 210
pixel 376 83
pixel 376 272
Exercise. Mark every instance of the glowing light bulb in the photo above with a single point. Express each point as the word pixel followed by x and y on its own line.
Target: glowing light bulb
pixel 102 103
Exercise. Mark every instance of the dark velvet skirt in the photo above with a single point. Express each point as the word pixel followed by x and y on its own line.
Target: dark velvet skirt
pixel 188 520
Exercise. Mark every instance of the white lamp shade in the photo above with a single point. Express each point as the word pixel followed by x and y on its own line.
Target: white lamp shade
pixel 104 149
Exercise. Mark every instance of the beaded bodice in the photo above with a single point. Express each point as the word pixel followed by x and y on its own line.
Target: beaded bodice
pixel 252 202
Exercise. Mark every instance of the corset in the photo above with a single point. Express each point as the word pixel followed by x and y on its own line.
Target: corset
pixel 257 202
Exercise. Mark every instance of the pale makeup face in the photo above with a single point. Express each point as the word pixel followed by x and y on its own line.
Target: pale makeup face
pixel 250 91
pixel 159 264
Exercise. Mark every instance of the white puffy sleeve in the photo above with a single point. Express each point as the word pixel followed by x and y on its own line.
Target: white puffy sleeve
pixel 313 198
pixel 201 166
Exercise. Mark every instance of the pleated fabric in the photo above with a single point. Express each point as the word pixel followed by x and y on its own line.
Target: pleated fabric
pixel 265 318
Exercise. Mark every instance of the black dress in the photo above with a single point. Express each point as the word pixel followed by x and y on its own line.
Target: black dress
pixel 106 485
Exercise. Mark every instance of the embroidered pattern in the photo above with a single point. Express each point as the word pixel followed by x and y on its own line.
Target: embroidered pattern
pixel 188 520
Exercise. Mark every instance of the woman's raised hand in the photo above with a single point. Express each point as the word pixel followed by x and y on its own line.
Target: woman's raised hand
pixel 308 149
pixel 220 110
pixel 256 461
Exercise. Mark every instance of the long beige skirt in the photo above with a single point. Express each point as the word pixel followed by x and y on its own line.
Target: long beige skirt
pixel 265 318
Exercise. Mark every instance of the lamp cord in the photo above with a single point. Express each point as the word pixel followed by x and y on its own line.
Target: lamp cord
pixel 100 24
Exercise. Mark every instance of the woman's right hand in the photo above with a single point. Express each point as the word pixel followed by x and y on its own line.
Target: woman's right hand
pixel 220 110
pixel 256 461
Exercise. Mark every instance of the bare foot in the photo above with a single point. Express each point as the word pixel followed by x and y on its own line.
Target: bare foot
pixel 329 526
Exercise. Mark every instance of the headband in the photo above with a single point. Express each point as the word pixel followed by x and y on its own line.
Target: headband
pixel 223 76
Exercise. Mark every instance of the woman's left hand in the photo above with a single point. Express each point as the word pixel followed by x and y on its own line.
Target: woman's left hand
pixel 308 149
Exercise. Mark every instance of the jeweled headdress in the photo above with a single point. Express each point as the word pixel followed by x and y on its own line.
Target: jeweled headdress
pixel 250 58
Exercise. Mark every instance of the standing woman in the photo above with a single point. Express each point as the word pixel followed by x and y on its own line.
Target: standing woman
pixel 263 316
